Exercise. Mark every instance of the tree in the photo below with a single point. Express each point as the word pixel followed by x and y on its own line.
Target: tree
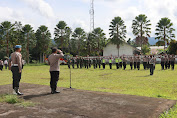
pixel 172 49
pixel 61 34
pixel 6 29
pixel 117 32
pixel 28 39
pixel 145 50
pixel 164 31
pixel 43 37
pixel 141 29
pixel 79 36
pixel 99 38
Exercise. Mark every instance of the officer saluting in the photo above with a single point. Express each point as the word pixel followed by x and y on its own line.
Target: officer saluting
pixel 15 65
pixel 53 61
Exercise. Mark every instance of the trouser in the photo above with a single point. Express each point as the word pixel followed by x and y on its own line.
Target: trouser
pixel 131 65
pixel 80 65
pixel 54 80
pixel 69 66
pixel 120 64
pixel 169 65
pixel 1 67
pixel 138 65
pixel 124 65
pixel 16 76
pixel 151 69
pixel 144 65
pixel 172 65
pixel 110 65
pixel 166 65
pixel 89 65
pixel 117 65
pixel 99 65
pixel 94 65
pixel 5 66
pixel 77 65
pixel 73 66
pixel 134 65
pixel 103 65
pixel 162 65
pixel 148 65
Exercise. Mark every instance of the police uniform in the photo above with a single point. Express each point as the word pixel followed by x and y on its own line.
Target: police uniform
pixel 1 65
pixel 138 63
pixel 77 62
pixel 80 62
pixel 117 63
pixel 131 63
pixel 90 63
pixel 162 62
pixel 99 62
pixel 152 64
pixel 120 62
pixel 166 62
pixel 145 63
pixel 53 61
pixel 94 63
pixel 69 63
pixel 172 61
pixel 73 62
pixel 15 64
pixel 103 63
pixel 110 63
pixel 124 63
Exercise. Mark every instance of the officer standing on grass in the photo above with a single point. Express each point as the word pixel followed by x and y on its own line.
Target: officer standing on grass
pixel 15 65
pixel 131 62
pixel 73 62
pixel 110 63
pixel 77 61
pixel 53 61
pixel 135 62
pixel 144 62
pixel 117 63
pixel 120 62
pixel 103 63
pixel 124 62
pixel 172 61
pixel 99 62
pixel 1 65
pixel 69 62
pixel 138 62
pixel 152 64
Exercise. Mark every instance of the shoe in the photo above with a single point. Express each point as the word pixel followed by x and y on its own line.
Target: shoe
pixel 17 91
pixel 54 92
pixel 14 92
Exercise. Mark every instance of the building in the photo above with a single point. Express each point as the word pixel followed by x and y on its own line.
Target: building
pixel 125 49
pixel 155 49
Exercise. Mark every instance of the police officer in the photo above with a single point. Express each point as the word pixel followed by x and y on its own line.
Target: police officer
pixel 162 62
pixel 110 63
pixel 152 64
pixel 135 62
pixel 144 62
pixel 120 62
pixel 103 63
pixel 131 62
pixel 80 62
pixel 94 63
pixel 53 61
pixel 138 62
pixel 124 62
pixel 5 63
pixel 77 61
pixel 99 62
pixel 73 62
pixel 90 63
pixel 69 62
pixel 1 65
pixel 166 62
pixel 15 65
pixel 117 62
pixel 172 60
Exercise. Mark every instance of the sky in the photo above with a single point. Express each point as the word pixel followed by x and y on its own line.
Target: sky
pixel 76 12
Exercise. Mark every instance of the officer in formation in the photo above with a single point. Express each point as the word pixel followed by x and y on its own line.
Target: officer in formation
pixel 103 62
pixel 1 65
pixel 152 64
pixel 6 63
pixel 117 62
pixel 73 62
pixel 53 61
pixel 138 61
pixel 145 62
pixel 131 62
pixel 15 65
pixel 124 62
pixel 110 63
pixel 69 63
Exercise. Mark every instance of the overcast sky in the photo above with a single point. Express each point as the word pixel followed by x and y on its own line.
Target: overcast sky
pixel 76 12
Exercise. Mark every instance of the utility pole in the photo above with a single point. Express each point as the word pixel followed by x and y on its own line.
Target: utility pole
pixel 91 15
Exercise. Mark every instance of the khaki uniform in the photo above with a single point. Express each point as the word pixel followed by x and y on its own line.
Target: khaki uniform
pixel 15 61
pixel 54 62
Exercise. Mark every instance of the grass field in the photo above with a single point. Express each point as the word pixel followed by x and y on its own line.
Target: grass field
pixel 163 84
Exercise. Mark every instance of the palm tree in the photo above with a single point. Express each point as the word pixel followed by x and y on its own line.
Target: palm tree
pixel 43 37
pixel 141 29
pixel 164 31
pixel 79 35
pixel 6 30
pixel 117 32
pixel 29 37
pixel 99 38
pixel 60 34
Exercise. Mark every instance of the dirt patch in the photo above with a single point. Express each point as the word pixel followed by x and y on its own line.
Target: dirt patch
pixel 82 104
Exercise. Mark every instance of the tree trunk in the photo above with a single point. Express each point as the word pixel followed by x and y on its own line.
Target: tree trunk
pixel 164 39
pixel 27 49
pixel 118 49
pixel 141 37
pixel 7 38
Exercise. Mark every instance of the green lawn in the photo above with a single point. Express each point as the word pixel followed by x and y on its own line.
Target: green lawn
pixel 163 84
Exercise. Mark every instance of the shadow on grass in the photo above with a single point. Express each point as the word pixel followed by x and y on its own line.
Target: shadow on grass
pixel 28 97
pixel 144 76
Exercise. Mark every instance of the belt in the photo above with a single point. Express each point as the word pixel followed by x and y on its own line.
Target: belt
pixel 14 64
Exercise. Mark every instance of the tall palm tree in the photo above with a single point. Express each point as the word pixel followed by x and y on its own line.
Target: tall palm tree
pixel 6 30
pixel 79 35
pixel 117 32
pixel 164 31
pixel 99 38
pixel 141 29
pixel 28 34
pixel 60 34
pixel 43 37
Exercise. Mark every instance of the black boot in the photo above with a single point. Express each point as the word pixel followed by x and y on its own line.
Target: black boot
pixel 16 89
pixel 53 91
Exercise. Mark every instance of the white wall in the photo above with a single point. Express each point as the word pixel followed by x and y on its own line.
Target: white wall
pixel 111 49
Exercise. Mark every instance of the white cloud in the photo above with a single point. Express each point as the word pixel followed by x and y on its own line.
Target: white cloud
pixel 41 6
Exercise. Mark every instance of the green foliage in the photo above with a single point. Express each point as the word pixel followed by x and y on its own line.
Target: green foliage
pixel 164 31
pixel 117 32
pixel 172 113
pixel 141 28
pixel 145 49
pixel 172 49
